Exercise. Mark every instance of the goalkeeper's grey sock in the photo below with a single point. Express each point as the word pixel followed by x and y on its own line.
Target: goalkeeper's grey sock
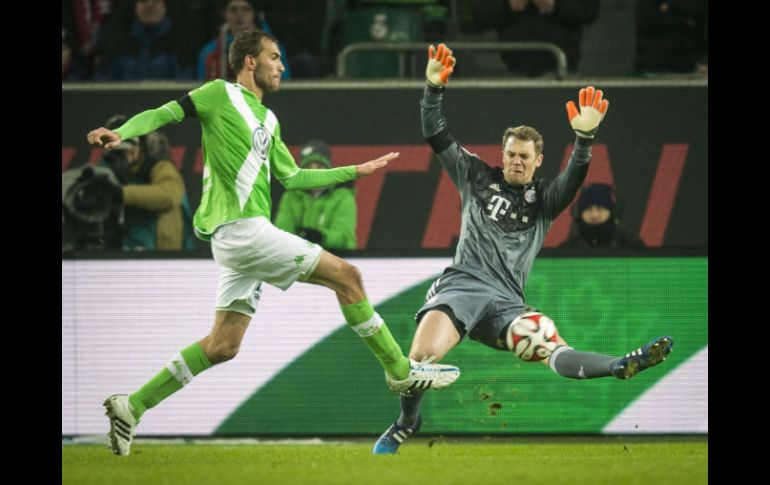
pixel 568 362
pixel 410 407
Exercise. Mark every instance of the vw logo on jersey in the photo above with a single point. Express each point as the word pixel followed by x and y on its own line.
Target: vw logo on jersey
pixel 530 195
pixel 260 140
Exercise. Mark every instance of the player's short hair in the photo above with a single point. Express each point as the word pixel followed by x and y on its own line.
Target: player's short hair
pixel 525 133
pixel 247 43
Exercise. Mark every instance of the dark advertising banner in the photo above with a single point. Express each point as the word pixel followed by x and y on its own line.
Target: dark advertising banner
pixel 652 147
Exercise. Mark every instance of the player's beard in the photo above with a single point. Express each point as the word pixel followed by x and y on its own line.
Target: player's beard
pixel 265 84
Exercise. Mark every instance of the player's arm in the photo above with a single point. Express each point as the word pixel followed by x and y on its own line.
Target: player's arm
pixel 294 178
pixel 138 125
pixel 585 123
pixel 303 179
pixel 449 153
pixel 197 103
pixel 434 127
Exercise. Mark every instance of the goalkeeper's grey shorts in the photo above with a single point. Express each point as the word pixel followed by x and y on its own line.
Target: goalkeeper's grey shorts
pixel 476 308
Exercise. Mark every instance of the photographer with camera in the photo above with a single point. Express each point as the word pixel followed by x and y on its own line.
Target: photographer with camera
pixel 157 210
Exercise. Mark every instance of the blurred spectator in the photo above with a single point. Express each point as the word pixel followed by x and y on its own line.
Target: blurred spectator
pixel 212 61
pixel 149 47
pixel 301 26
pixel 239 15
pixel 702 64
pixel 559 22
pixel 597 221
pixel 157 211
pixel 200 19
pixel 671 36
pixel 73 67
pixel 325 216
pixel 82 24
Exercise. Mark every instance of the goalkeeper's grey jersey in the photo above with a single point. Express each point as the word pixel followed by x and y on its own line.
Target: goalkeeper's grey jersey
pixel 503 225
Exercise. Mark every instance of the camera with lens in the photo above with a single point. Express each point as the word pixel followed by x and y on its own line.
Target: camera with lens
pixel 92 209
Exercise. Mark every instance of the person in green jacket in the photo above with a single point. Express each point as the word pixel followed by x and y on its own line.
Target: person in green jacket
pixel 326 216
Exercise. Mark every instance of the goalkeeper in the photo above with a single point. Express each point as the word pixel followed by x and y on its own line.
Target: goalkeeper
pixel 505 216
pixel 243 149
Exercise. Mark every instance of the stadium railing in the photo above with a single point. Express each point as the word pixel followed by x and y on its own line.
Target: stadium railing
pixel 406 47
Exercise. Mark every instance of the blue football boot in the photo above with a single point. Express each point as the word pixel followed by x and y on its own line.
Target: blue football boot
pixel 391 439
pixel 646 356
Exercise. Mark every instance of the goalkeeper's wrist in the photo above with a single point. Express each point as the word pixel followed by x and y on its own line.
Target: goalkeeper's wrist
pixel 586 135
pixel 583 141
pixel 434 88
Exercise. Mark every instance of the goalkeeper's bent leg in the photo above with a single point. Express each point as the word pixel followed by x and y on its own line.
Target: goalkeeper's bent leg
pixel 410 408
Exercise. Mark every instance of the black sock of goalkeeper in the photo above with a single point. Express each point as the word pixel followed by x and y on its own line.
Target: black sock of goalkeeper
pixel 568 362
pixel 410 407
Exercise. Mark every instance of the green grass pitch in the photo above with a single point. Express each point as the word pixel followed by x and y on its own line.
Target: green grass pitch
pixel 533 461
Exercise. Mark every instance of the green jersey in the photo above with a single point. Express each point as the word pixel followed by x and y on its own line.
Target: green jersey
pixel 242 147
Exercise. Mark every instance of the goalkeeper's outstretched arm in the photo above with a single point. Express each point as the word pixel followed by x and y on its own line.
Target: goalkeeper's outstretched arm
pixel 440 66
pixel 452 157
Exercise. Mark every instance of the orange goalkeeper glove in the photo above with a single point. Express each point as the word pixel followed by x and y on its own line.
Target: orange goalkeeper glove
pixel 440 65
pixel 592 111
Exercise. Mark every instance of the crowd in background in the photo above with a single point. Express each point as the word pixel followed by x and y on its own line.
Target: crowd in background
pixel 115 40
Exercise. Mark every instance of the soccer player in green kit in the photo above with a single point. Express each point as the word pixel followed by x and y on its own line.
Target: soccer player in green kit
pixel 243 149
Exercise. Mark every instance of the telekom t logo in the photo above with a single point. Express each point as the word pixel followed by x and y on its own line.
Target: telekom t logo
pixel 495 207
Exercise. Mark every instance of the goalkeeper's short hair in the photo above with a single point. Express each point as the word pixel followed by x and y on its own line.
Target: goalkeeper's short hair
pixel 525 133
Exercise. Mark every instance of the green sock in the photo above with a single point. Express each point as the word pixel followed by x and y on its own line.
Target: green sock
pixel 375 334
pixel 185 365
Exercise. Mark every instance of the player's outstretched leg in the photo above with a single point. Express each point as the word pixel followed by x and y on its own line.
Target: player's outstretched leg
pixel 219 346
pixel 401 373
pixel 125 411
pixel 646 356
